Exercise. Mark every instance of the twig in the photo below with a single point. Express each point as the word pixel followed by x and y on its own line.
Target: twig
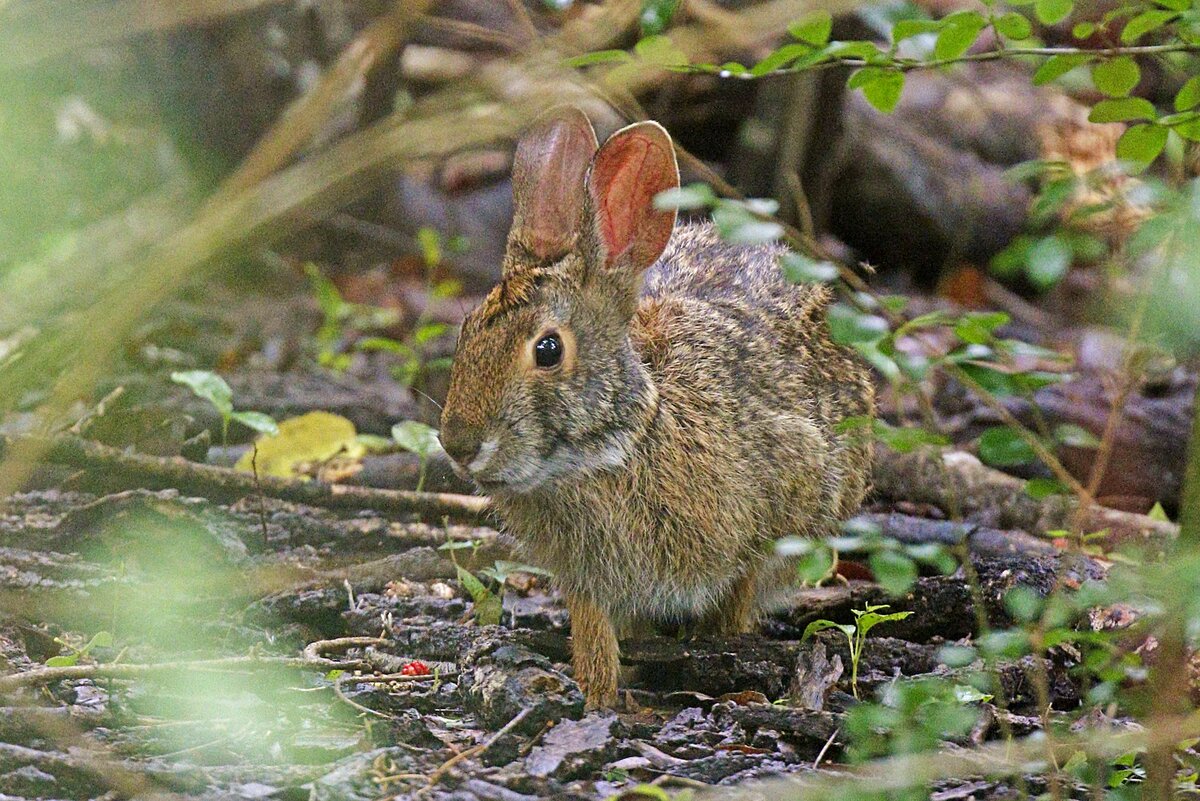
pixel 437 775
pixel 345 699
pixel 113 469
pixel 907 65
pixel 824 748
pixel 314 650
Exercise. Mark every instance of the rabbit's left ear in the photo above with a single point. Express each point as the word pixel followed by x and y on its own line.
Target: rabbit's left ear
pixel 634 165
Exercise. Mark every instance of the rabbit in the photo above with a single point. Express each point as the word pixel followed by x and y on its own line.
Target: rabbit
pixel 648 406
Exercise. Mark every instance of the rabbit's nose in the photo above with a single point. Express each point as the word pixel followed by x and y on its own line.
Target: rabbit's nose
pixel 460 442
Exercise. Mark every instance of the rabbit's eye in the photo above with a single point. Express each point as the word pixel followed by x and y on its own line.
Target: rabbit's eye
pixel 548 351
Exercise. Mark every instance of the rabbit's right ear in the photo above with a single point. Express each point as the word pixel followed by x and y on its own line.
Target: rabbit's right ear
pixel 547 180
pixel 634 165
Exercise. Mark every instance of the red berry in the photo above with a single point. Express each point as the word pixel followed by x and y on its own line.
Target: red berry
pixel 415 669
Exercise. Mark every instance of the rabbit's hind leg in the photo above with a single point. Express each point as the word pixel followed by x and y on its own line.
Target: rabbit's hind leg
pixel 737 612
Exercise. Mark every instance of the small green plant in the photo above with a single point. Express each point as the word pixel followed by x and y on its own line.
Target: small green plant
pixel 411 350
pixel 419 439
pixel 212 388
pixel 338 317
pixel 102 639
pixel 502 569
pixel 856 633
pixel 489 607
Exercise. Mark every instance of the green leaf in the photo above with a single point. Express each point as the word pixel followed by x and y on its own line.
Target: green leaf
pixel 966 694
pixel 977 327
pixel 1052 12
pixel 1075 436
pixel 956 655
pixel 1060 65
pixel 1157 512
pixel 648 791
pixel 907 28
pixel 429 332
pixel 1001 446
pixel 1010 643
pixel 1083 30
pixel 800 269
pixel 881 87
pixel 935 555
pixel 656 15
pixel 67 660
pixel 209 386
pixel 1047 261
pixel 102 639
pixel 735 223
pixel 488 606
pixel 1123 110
pixel 257 421
pixel 814 28
pixel 821 625
pixel 848 325
pixel 692 196
pixel 867 51
pixel 815 565
pixel 430 242
pixel 416 437
pixel 1188 96
pixel 780 59
pixel 958 36
pixel 894 571
pixel 904 439
pixel 1142 143
pixel 867 619
pixel 600 57
pixel 333 674
pixel 1023 603
pixel 660 51
pixel 1144 23
pixel 1040 488
pixel 1014 25
pixel 1116 77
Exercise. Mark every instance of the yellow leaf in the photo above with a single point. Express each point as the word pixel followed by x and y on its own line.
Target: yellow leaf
pixel 313 437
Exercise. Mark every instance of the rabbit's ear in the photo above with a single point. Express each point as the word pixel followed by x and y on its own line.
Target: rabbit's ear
pixel 547 180
pixel 634 165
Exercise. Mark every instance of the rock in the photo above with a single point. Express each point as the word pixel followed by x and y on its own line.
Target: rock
pixel 501 680
pixel 354 778
pixel 807 728
pixel 573 749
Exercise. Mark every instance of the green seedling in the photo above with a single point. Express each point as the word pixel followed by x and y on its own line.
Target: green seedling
pixel 212 388
pixel 419 439
pixel 856 633
pixel 102 639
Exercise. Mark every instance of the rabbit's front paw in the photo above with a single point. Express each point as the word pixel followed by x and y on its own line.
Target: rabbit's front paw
pixel 594 653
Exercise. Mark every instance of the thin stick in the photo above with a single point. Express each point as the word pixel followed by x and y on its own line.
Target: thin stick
pixel 824 748
pixel 437 775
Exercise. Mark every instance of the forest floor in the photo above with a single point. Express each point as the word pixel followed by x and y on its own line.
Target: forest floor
pixel 164 632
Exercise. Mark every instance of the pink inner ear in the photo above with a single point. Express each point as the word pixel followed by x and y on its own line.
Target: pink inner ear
pixel 632 167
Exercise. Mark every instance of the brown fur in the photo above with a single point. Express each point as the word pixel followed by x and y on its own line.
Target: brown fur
pixel 652 471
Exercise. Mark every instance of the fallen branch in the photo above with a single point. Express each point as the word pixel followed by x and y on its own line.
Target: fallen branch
pixel 109 469
pixel 960 484
pixel 47 675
